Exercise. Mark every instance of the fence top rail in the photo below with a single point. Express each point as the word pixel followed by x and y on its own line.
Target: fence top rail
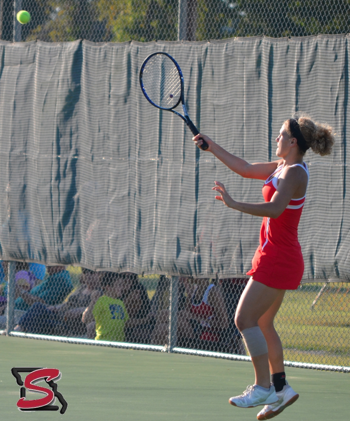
pixel 328 281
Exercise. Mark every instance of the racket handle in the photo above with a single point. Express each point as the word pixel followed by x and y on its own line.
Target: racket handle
pixel 204 146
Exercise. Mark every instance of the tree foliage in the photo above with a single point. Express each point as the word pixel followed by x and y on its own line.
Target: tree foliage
pixel 147 20
pixel 293 17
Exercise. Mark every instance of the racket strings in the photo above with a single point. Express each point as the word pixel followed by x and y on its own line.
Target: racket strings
pixel 162 81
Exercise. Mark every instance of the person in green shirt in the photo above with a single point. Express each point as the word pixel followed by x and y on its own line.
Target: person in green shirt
pixel 109 311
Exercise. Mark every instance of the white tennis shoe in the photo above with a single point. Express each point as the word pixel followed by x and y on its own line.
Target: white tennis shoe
pixel 254 396
pixel 286 397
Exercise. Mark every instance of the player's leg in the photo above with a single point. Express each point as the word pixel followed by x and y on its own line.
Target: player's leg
pixel 286 395
pixel 266 324
pixel 255 301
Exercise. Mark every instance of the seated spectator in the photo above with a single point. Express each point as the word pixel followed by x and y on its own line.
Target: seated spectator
pixel 38 270
pixel 232 290
pixel 209 316
pixel 23 277
pixel 109 311
pixel 137 303
pixel 24 282
pixel 3 276
pixel 3 271
pixel 51 291
pixel 160 309
pixel 65 318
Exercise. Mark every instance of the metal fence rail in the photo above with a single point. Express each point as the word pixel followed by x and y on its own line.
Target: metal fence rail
pixel 148 20
pixel 158 313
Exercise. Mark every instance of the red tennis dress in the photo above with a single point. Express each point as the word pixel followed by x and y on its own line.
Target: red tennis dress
pixel 278 261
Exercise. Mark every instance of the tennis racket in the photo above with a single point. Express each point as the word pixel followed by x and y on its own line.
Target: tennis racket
pixel 162 83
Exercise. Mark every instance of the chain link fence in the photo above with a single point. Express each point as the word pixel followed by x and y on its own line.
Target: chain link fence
pixel 193 314
pixel 171 20
pixel 156 311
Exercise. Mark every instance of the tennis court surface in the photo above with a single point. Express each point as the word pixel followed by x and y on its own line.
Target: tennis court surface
pixel 101 383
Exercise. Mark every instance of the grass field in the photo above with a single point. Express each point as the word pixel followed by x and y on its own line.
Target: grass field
pixel 319 335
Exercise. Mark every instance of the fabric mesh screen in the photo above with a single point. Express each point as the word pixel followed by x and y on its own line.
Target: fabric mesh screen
pixel 93 175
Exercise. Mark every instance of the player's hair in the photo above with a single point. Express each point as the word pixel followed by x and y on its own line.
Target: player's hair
pixel 318 136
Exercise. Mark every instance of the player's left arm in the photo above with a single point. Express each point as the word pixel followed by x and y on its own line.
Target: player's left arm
pixel 289 183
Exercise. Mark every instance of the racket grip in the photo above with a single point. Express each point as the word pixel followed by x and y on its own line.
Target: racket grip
pixel 204 146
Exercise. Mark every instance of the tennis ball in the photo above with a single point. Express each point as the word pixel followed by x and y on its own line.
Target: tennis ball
pixel 23 17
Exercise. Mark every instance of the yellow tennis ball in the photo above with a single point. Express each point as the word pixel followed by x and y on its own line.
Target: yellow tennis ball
pixel 23 17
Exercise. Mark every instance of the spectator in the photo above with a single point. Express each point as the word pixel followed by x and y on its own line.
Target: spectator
pixel 65 318
pixel 232 289
pixel 3 271
pixel 109 311
pixel 51 291
pixel 137 303
pixel 160 309
pixel 24 282
pixel 38 270
pixel 3 275
pixel 22 271
pixel 208 312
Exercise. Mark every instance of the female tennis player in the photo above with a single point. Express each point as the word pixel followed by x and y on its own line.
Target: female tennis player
pixel 278 263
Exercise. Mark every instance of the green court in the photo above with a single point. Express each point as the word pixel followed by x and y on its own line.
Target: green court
pixel 101 383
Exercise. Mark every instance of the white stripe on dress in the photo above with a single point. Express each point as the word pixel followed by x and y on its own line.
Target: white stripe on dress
pixel 266 233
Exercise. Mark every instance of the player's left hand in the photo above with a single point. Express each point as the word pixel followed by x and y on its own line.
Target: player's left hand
pixel 224 196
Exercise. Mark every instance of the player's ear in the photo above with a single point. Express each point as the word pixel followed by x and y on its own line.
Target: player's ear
pixel 293 141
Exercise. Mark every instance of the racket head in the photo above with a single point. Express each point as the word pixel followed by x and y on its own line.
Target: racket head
pixel 161 81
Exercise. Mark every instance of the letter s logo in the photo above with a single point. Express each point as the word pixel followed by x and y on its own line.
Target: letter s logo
pixel 29 383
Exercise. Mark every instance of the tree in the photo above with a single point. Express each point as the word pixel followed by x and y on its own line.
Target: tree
pixel 293 17
pixel 148 20
pixel 63 20
pixel 6 20
pixel 139 20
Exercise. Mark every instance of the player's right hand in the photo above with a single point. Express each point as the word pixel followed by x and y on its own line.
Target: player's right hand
pixel 198 140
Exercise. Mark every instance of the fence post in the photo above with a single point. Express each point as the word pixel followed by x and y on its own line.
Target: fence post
pixel 182 20
pixel 10 311
pixel 174 292
pixel 187 20
pixel 17 28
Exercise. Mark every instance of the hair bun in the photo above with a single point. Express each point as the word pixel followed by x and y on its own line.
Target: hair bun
pixel 318 136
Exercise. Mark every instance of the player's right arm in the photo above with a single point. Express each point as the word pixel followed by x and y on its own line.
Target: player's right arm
pixel 260 171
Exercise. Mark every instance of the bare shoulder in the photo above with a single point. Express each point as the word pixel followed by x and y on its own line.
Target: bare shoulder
pixel 294 172
pixel 293 179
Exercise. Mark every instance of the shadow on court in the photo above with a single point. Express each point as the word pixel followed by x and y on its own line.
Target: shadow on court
pixel 114 384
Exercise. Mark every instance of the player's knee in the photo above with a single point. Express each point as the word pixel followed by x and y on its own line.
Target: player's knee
pixel 241 322
pixel 266 327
